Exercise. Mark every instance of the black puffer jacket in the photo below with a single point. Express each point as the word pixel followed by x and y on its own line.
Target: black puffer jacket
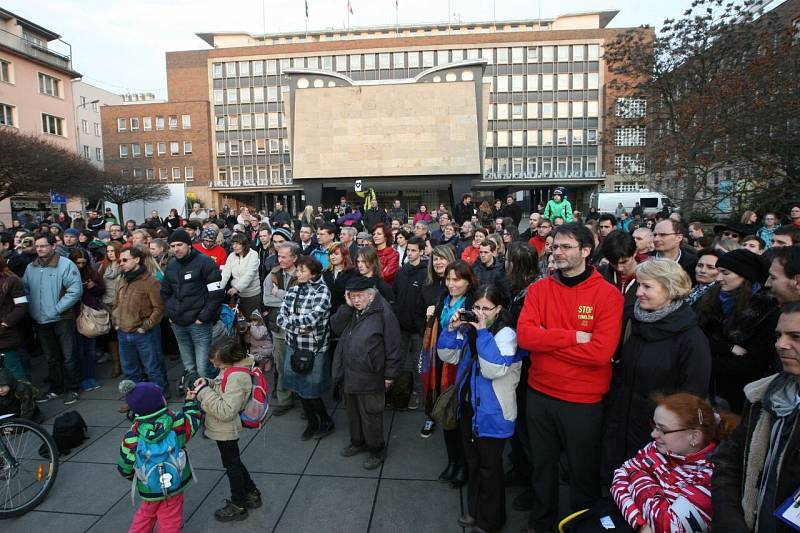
pixel 192 289
pixel 669 355
pixel 408 284
pixel 493 275
pixel 369 347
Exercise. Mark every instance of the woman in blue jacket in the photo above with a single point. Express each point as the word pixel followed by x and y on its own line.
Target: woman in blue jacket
pixel 487 401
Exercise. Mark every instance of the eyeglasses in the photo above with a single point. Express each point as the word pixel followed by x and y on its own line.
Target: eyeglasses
pixel 663 234
pixel 125 260
pixel 483 309
pixel 730 234
pixel 656 427
pixel 565 247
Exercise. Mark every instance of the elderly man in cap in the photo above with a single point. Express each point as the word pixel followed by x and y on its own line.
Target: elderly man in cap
pixel 367 361
pixel 208 246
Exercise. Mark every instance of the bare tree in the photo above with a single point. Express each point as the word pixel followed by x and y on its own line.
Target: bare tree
pixel 720 90
pixel 122 190
pixel 30 164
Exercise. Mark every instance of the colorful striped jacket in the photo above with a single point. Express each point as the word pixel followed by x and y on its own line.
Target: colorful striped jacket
pixel 155 427
pixel 668 492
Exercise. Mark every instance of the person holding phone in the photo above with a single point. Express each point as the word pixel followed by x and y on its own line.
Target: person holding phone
pixel 484 347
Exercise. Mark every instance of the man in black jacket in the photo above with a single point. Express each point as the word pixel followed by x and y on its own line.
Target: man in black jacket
pixel 367 361
pixel 490 272
pixel 279 216
pixel 398 213
pixel 410 312
pixel 464 211
pixel 375 215
pixel 756 470
pixel 192 292
pixel 512 210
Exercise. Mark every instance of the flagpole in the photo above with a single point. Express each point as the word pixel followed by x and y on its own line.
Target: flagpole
pixel 348 15
pixel 397 17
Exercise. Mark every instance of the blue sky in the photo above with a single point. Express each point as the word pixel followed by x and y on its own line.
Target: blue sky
pixel 120 45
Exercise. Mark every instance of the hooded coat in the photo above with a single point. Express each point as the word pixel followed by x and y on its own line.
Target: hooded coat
pixel 668 355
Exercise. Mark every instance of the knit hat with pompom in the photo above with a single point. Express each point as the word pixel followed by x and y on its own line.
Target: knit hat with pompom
pixel 143 398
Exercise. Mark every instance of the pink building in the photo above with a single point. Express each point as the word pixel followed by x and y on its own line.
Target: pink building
pixel 35 95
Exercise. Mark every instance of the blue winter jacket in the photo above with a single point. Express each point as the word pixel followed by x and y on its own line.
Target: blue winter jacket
pixel 493 377
pixel 53 288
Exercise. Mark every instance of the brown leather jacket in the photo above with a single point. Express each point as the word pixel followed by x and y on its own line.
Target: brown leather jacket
pixel 137 303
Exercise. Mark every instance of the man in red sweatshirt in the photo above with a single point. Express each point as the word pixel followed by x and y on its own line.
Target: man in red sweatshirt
pixel 208 246
pixel 570 324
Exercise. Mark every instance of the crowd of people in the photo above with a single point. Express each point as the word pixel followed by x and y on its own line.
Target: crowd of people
pixel 616 353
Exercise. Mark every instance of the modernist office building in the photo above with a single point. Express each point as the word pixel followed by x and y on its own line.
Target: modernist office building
pixel 542 124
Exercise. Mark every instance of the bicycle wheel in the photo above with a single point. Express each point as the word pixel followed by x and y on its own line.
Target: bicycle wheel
pixel 28 466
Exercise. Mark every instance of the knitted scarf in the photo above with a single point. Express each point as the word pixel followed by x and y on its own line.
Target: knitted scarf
pixel 654 316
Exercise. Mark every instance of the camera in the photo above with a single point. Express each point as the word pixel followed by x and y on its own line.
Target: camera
pixel 469 316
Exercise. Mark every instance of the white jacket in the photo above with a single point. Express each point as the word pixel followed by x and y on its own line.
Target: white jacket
pixel 242 273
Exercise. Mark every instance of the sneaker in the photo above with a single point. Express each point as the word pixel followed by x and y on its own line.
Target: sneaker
pixel 253 500
pixel 46 397
pixel 427 429
pixel 71 397
pixel 350 450
pixel 373 461
pixel 230 512
pixel 413 402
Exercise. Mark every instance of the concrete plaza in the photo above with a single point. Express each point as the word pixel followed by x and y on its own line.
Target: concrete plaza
pixel 306 486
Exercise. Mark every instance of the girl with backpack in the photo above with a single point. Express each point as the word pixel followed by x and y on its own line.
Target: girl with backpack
pixel 222 399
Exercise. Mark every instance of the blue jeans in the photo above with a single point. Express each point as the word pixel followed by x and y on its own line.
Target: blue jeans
pixel 87 360
pixel 136 352
pixel 194 342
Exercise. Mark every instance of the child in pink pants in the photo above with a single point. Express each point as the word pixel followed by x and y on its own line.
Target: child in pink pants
pixel 157 427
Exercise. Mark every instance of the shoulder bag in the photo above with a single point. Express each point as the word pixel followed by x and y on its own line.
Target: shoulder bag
pixel 302 361
pixel 445 409
pixel 92 323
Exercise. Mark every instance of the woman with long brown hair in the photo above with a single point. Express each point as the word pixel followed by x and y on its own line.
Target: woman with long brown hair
pixel 93 290
pixel 110 270
pixel 13 309
pixel 369 265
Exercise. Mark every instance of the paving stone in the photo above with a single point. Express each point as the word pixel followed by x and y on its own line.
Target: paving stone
pixel 426 506
pixel 85 488
pixel 331 504
pixel 409 455
pixel 283 452
pixel 35 520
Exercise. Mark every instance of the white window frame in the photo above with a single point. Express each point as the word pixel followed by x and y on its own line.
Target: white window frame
pixel 188 173
pixel 176 175
pixel 187 147
pixel 123 151
pixel 186 122
pixel 122 124
pixel 52 122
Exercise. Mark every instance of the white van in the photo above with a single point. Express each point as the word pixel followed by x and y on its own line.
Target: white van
pixel 651 202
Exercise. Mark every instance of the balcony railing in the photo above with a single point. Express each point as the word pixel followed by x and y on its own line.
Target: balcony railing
pixel 245 183
pixel 508 176
pixel 35 51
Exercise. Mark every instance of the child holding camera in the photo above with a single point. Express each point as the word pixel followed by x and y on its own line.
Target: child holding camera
pixel 222 399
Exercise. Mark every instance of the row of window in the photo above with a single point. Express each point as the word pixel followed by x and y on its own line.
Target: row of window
pixel 540 137
pixel 163 173
pixel 245 147
pixel 253 175
pixel 546 82
pixel 630 107
pixel 147 123
pixel 256 121
pixel 85 101
pixel 630 136
pixel 135 149
pixel 51 124
pixel 85 127
pixel 410 59
pixel 533 167
pixel 98 152
pixel 590 109
pixel 244 96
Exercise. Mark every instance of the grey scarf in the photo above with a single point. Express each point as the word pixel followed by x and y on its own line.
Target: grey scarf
pixel 649 317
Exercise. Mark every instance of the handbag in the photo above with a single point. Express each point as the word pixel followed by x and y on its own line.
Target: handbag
pixel 445 409
pixel 92 323
pixel 302 360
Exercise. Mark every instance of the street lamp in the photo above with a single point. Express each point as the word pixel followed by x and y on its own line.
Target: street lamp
pixel 77 130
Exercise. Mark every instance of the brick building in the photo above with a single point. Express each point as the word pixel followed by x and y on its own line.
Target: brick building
pixel 167 142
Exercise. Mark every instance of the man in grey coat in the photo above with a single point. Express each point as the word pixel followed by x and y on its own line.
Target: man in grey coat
pixel 367 360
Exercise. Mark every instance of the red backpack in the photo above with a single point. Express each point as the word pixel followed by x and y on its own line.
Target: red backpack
pixel 255 410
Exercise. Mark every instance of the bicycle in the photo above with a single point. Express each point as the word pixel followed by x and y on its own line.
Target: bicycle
pixel 28 465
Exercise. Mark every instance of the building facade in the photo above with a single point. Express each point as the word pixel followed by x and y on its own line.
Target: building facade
pixel 166 142
pixel 87 100
pixel 548 99
pixel 36 96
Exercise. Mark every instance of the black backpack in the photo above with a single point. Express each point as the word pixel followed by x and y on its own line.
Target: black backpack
pixel 69 431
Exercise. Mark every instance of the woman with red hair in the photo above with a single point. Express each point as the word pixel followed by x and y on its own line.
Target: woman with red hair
pixel 666 486
pixel 388 256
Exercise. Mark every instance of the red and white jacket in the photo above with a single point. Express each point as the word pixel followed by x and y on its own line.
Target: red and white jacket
pixel 668 492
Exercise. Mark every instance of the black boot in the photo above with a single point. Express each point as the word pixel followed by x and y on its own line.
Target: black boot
pixel 311 417
pixel 326 425
pixel 459 478
pixel 447 474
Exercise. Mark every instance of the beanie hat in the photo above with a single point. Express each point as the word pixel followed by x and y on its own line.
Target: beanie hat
pixel 283 232
pixel 72 232
pixel 143 398
pixel 103 234
pixel 209 234
pixel 180 235
pixel 745 263
pixel 559 191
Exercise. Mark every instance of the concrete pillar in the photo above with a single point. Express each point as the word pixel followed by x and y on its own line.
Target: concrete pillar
pixel 312 189
pixel 459 186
